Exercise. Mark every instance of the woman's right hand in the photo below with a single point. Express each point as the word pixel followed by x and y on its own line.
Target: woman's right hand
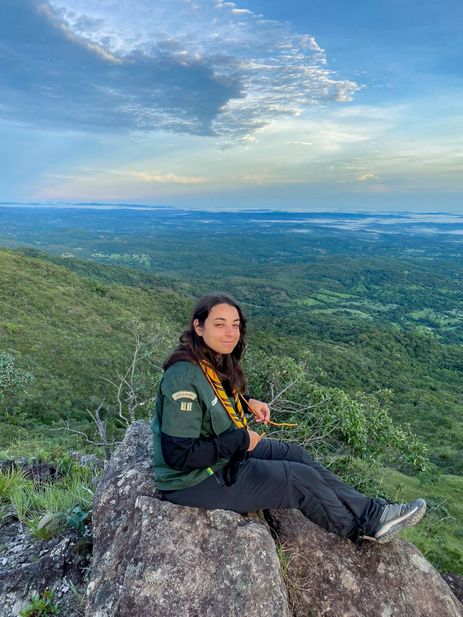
pixel 254 439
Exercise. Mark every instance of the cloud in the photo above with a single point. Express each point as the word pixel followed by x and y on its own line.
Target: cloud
pixel 299 143
pixel 367 176
pixel 207 68
pixel 54 77
pixel 149 177
pixel 169 178
pixel 241 12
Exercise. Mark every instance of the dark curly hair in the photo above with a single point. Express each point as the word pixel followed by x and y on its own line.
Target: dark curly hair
pixel 192 347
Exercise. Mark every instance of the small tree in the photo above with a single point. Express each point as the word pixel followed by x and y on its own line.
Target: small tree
pixel 337 427
pixel 136 386
pixel 13 381
pixel 135 389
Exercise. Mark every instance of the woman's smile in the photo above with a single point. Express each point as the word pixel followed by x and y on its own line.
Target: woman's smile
pixel 221 329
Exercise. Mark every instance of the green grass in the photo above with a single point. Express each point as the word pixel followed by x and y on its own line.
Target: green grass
pixel 341 310
pixel 334 294
pixel 307 302
pixel 11 482
pixel 32 500
pixel 42 443
pixel 440 535
pixel 436 320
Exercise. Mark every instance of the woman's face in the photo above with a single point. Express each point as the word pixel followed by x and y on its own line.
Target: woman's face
pixel 221 329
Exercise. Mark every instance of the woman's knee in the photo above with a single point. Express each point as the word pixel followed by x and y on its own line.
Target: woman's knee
pixel 277 450
pixel 298 454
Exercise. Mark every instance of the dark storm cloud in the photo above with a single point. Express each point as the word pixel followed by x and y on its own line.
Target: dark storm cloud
pixel 50 77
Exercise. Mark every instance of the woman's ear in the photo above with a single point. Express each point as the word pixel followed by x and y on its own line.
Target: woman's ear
pixel 197 327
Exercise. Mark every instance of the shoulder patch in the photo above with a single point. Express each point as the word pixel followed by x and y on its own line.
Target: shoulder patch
pixel 184 394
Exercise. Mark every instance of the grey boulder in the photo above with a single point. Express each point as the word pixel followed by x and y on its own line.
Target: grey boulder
pixel 330 577
pixel 152 557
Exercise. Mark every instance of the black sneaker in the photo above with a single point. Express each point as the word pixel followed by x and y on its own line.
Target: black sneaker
pixel 397 516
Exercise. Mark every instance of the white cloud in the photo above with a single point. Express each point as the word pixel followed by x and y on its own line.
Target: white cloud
pixel 277 72
pixel 367 176
pixel 299 143
pixel 64 79
pixel 169 178
pixel 241 12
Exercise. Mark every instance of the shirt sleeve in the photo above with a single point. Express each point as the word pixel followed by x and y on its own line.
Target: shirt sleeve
pixel 182 414
pixel 186 454
pixel 181 408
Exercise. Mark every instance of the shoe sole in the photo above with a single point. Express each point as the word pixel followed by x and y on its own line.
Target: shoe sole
pixel 407 521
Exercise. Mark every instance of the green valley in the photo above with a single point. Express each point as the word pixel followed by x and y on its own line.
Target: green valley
pixel 374 324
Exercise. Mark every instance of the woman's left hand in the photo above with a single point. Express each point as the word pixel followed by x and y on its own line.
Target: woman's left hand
pixel 261 410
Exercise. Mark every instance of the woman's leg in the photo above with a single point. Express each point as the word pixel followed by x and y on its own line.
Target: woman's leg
pixel 265 484
pixel 366 510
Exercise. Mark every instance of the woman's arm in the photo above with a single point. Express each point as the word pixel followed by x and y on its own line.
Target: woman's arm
pixel 186 453
pixel 182 416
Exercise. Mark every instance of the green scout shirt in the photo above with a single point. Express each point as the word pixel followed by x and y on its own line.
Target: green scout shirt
pixel 186 406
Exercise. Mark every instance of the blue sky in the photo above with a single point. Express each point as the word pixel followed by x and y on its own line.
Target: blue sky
pixel 313 105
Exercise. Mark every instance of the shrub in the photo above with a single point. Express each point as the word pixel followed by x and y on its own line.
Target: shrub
pixel 334 426
pixel 41 605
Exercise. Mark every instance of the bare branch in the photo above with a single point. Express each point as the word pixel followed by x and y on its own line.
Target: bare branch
pixel 285 389
pixel 82 434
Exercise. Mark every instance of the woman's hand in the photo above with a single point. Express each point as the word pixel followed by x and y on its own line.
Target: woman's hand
pixel 261 410
pixel 254 439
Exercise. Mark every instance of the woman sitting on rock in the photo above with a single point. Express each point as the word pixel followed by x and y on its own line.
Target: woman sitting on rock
pixel 206 456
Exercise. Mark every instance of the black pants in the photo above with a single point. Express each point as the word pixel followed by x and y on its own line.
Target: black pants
pixel 283 475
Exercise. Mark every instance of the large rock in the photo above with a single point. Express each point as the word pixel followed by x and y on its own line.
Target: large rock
pixel 455 582
pixel 153 558
pixel 328 576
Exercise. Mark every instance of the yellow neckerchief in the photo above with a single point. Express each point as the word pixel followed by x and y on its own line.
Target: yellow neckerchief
pixel 237 416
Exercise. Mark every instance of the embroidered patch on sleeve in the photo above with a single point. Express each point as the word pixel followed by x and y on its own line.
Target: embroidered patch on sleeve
pixel 186 406
pixel 184 394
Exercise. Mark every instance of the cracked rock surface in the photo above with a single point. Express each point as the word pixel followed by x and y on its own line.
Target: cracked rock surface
pixel 29 566
pixel 331 577
pixel 154 558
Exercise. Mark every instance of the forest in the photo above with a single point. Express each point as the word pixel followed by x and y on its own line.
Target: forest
pixel 366 326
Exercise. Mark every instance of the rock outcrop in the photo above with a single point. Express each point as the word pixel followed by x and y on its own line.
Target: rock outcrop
pixel 153 558
pixel 455 582
pixel 28 566
pixel 329 576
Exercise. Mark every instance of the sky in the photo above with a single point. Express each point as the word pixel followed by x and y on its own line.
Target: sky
pixel 299 105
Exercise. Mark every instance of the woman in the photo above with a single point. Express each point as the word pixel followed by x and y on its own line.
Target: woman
pixel 206 456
